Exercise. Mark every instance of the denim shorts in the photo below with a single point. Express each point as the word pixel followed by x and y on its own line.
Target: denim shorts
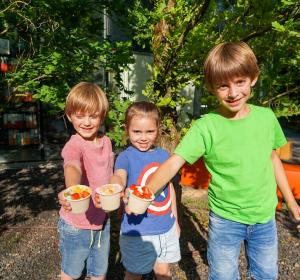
pixel 225 238
pixel 80 248
pixel 140 253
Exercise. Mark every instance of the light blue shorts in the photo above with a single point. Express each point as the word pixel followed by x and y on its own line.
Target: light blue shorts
pixel 225 238
pixel 83 247
pixel 140 253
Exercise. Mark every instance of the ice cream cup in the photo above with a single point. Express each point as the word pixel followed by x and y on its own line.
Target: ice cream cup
pixel 109 196
pixel 79 205
pixel 138 205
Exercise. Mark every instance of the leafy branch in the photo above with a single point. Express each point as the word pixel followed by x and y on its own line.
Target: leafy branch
pixel 288 92
pixel 198 14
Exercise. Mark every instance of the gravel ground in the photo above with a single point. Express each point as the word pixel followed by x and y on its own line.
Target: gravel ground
pixel 29 243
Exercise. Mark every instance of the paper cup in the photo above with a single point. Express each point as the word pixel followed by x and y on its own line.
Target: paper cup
pixel 138 205
pixel 109 196
pixel 80 205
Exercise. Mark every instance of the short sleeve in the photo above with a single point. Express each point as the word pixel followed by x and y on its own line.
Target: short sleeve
pixel 72 154
pixel 122 162
pixel 112 155
pixel 279 137
pixel 192 146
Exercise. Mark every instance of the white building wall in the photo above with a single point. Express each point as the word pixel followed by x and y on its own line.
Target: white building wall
pixel 138 74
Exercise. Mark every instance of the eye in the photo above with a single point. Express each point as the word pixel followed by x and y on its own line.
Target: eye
pixel 241 82
pixel 222 87
pixel 95 116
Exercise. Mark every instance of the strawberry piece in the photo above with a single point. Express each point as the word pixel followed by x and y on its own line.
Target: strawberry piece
pixel 85 194
pixel 75 196
pixel 132 187
pixel 137 193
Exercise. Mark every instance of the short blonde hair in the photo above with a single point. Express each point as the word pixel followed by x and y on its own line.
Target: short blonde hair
pixel 228 60
pixel 86 97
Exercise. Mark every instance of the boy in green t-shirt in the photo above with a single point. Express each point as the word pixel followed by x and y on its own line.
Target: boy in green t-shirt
pixel 238 143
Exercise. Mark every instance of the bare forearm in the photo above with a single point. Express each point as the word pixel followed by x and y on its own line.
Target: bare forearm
pixel 72 175
pixel 282 181
pixel 119 177
pixel 117 180
pixel 165 173
pixel 284 187
pixel 174 202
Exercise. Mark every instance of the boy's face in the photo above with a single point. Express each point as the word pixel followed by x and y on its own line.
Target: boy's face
pixel 86 124
pixel 233 96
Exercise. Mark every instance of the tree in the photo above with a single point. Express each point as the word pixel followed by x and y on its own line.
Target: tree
pixel 58 43
pixel 180 34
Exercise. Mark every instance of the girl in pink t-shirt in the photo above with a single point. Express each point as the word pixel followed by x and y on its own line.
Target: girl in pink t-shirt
pixel 88 160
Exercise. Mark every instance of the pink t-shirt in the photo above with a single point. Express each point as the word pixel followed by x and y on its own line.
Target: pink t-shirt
pixel 96 163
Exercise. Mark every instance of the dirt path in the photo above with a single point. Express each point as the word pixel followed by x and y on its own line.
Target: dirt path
pixel 29 245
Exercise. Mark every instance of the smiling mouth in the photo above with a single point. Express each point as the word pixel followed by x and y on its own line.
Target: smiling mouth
pixel 86 129
pixel 230 101
pixel 143 145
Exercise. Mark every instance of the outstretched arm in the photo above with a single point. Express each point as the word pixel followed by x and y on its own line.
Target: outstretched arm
pixel 174 207
pixel 119 177
pixel 165 173
pixel 72 175
pixel 284 187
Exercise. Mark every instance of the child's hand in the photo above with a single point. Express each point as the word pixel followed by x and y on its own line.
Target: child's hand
pixel 125 195
pixel 63 202
pixel 295 210
pixel 97 201
pixel 125 200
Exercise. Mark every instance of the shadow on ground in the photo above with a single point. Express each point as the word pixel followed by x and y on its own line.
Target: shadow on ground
pixel 193 239
pixel 26 192
pixel 29 240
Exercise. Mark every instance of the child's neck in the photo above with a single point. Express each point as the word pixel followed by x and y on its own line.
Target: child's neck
pixel 94 140
pixel 150 150
pixel 243 113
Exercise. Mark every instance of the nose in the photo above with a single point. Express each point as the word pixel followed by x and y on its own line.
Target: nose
pixel 233 92
pixel 86 121
pixel 143 136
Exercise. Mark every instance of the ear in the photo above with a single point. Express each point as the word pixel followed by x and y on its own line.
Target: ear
pixel 254 81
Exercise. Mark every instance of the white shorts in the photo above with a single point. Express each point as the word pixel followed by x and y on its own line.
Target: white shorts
pixel 140 253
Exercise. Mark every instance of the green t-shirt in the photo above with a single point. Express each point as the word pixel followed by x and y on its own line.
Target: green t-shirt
pixel 237 154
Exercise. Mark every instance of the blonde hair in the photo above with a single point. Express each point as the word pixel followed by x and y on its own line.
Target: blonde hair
pixel 86 97
pixel 228 60
pixel 143 109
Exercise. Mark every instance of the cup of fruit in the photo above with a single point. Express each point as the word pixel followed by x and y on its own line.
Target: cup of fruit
pixel 139 199
pixel 79 198
pixel 110 195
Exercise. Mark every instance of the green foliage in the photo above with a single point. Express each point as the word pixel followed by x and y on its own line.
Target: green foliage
pixel 59 43
pixel 181 33
pixel 115 120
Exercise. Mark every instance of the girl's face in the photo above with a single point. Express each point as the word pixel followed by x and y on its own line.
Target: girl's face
pixel 142 132
pixel 86 124
pixel 233 96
